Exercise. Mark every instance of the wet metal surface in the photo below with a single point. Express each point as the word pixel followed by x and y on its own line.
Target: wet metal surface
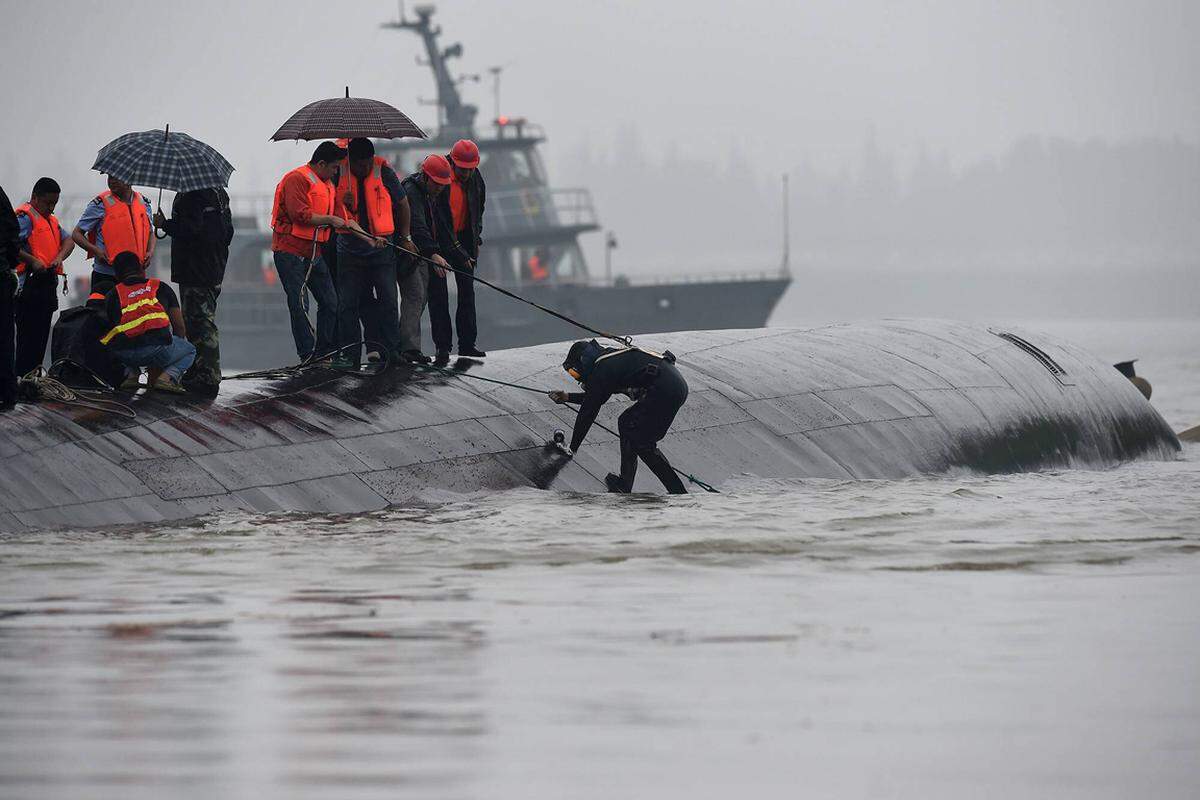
pixel 889 400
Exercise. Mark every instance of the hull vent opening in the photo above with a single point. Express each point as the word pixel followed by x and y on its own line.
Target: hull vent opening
pixel 1042 356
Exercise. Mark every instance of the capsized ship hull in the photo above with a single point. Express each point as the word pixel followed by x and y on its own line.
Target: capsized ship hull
pixel 887 400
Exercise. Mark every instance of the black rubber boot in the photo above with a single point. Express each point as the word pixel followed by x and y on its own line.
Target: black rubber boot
pixel 659 465
pixel 629 464
pixel 614 484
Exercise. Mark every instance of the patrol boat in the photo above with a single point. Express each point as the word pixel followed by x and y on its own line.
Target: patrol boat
pixel 531 247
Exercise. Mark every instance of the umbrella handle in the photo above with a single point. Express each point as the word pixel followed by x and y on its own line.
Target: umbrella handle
pixel 159 233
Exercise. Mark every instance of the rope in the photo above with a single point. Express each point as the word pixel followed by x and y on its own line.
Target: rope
pixel 455 374
pixel 625 340
pixel 315 361
pixel 40 386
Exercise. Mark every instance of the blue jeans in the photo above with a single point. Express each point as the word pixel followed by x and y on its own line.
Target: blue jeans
pixel 291 269
pixel 173 358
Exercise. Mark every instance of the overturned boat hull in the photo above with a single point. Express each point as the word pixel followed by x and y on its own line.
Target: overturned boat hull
pixel 892 399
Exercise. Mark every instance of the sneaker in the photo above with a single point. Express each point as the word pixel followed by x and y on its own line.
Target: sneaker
pixel 132 382
pixel 442 358
pixel 415 357
pixel 471 352
pixel 374 357
pixel 168 384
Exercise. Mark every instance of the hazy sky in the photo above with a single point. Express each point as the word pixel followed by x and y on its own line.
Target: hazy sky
pixel 785 82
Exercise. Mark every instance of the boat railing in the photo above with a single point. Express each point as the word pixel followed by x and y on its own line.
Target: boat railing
pixel 516 211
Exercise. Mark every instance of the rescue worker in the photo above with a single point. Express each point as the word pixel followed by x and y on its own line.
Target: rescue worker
pixel 147 328
pixel 369 192
pixel 201 228
pixel 44 247
pixel 432 236
pixel 117 221
pixel 650 379
pixel 302 216
pixel 9 250
pixel 463 203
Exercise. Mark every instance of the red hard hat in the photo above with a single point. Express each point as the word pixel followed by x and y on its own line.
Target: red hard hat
pixel 437 169
pixel 465 154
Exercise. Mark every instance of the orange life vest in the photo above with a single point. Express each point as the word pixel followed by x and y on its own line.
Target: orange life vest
pixel 379 200
pixel 140 310
pixel 458 205
pixel 125 227
pixel 536 271
pixel 320 201
pixel 45 240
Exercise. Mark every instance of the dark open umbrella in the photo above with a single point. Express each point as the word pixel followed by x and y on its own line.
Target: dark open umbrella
pixel 348 118
pixel 163 160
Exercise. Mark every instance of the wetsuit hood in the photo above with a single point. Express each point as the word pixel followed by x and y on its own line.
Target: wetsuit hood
pixel 582 357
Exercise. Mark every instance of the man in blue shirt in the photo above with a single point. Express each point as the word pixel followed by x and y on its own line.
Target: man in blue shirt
pixel 89 234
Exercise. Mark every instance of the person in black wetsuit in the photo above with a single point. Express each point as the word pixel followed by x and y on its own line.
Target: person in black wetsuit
pixel 650 379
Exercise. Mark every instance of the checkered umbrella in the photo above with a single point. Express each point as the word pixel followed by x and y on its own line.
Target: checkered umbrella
pixel 348 118
pixel 163 160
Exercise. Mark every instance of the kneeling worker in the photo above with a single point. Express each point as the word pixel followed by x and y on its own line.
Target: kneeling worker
pixel 650 379
pixel 147 328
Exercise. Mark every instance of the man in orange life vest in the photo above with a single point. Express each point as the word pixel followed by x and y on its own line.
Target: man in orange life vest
pixel 147 328
pixel 301 219
pixel 463 204
pixel 369 192
pixel 117 221
pixel 44 247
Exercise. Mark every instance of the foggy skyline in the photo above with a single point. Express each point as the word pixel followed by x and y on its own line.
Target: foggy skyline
pixel 787 84
pixel 679 117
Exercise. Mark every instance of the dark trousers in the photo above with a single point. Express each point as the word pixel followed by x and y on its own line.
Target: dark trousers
pixel 34 307
pixel 292 269
pixel 367 300
pixel 8 375
pixel 439 311
pixel 644 424
pixel 199 306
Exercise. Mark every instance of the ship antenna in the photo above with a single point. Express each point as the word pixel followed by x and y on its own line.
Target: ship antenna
pixel 786 266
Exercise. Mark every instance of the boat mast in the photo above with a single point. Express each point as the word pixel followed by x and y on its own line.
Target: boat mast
pixel 460 116
pixel 786 266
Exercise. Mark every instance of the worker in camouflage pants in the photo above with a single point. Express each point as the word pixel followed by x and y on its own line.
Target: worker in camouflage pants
pixel 200 228
pixel 200 318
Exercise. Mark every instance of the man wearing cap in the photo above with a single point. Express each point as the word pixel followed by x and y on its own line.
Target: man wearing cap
pixel 432 236
pixel 368 192
pixel 463 204
pixel 301 218
pixel 117 221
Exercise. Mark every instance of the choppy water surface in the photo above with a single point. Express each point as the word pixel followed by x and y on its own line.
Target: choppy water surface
pixel 1012 636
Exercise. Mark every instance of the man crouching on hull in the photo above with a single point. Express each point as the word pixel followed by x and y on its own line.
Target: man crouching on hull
pixel 650 379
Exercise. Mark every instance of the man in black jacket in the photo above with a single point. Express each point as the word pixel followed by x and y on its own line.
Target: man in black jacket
pixel 431 231
pixel 201 228
pixel 463 203
pixel 650 379
pixel 10 249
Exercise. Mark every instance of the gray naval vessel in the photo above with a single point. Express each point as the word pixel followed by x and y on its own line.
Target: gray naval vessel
pixel 893 399
pixel 531 246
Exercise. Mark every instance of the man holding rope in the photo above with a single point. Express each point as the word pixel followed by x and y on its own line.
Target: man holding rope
pixel 432 235
pixel 648 378
pixel 301 218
